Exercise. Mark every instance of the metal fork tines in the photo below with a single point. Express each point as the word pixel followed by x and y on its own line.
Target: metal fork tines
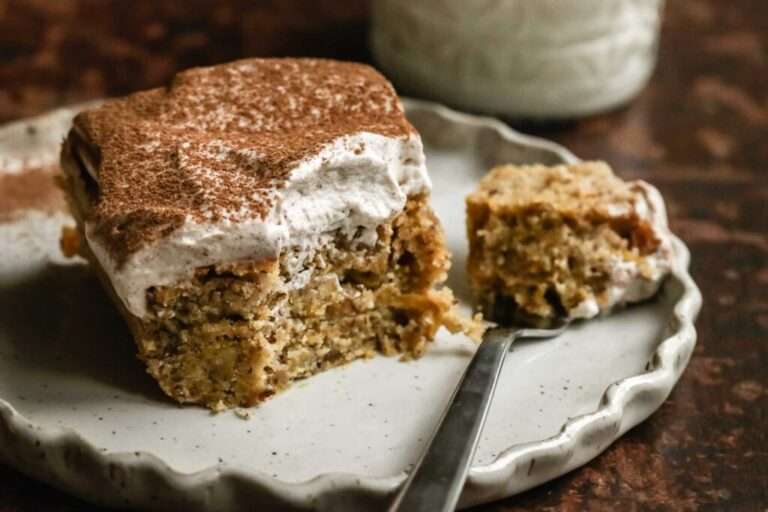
pixel 436 482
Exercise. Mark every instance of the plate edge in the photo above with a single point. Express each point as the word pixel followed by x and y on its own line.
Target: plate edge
pixel 22 441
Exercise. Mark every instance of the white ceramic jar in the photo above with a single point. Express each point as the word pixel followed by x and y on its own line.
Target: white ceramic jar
pixel 519 58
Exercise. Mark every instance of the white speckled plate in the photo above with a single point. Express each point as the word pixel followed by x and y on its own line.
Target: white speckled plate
pixel 78 411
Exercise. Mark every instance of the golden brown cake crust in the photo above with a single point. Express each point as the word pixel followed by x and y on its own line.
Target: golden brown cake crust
pixel 587 188
pixel 168 154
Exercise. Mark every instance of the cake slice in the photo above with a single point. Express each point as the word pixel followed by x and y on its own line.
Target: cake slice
pixel 259 221
pixel 564 241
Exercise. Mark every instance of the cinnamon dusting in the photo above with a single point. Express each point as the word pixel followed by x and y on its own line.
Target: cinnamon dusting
pixel 218 142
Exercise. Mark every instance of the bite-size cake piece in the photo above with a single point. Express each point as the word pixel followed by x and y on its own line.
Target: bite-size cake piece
pixel 259 221
pixel 564 241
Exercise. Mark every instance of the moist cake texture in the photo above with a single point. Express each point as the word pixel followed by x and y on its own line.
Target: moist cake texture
pixel 259 221
pixel 564 241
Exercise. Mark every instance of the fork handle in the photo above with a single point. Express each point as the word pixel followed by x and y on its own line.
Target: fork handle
pixel 436 482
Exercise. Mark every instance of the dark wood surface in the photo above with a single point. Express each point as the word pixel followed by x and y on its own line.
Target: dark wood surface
pixel 699 132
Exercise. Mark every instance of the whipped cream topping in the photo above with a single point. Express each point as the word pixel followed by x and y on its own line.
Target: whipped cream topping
pixel 351 185
pixel 631 281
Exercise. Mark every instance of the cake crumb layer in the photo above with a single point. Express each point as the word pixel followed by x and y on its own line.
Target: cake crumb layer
pixel 569 241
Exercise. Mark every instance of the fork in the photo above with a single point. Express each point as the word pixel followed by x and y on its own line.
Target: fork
pixel 436 481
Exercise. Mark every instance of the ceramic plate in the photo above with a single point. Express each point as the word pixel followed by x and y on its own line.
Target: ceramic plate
pixel 78 411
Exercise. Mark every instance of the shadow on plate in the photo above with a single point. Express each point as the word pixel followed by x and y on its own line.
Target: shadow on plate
pixel 60 320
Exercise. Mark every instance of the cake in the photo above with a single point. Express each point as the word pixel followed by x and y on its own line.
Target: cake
pixel 564 241
pixel 257 222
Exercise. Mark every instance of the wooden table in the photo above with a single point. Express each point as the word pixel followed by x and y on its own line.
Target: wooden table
pixel 699 132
